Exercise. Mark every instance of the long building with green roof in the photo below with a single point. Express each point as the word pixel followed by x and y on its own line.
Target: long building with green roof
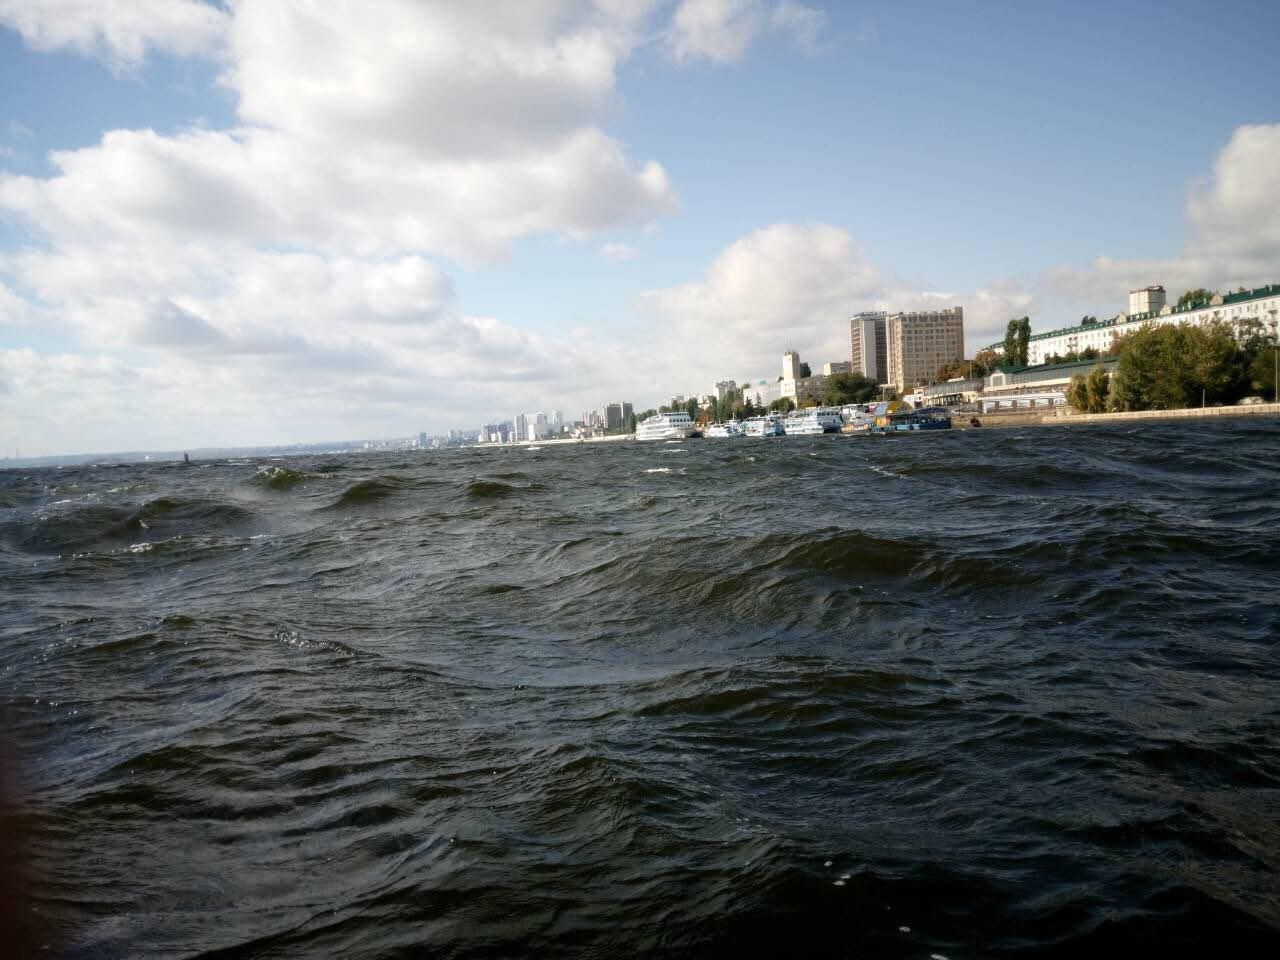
pixel 1242 309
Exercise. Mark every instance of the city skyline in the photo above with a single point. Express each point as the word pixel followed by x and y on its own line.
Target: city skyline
pixel 259 223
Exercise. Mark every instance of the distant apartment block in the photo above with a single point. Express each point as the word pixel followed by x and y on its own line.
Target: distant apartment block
pixel 613 416
pixel 725 387
pixel 1147 300
pixel 918 343
pixel 831 369
pixel 867 338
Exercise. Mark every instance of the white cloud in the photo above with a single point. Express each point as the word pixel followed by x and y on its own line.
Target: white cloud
pixel 14 311
pixel 721 31
pixel 617 252
pixel 803 24
pixel 781 286
pixel 1234 231
pixel 262 187
pixel 715 30
pixel 796 286
pixel 446 79
pixel 122 32
pixel 375 138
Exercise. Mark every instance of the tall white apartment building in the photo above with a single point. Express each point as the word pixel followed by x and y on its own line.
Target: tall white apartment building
pixel 918 343
pixel 867 338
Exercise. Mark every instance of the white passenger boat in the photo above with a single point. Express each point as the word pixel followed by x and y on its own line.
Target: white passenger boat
pixel 763 427
pixel 731 429
pixel 813 420
pixel 666 426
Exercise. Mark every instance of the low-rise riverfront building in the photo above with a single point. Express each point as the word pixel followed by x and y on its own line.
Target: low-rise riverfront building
pixel 1243 309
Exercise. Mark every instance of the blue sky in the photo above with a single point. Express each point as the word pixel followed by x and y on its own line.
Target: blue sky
pixel 480 216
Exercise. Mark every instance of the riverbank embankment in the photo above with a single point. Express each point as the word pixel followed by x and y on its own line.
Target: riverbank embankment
pixel 1187 413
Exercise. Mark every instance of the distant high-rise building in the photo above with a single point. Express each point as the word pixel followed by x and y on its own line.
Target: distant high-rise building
pixel 557 420
pixel 627 412
pixel 725 387
pixel 918 343
pixel 613 416
pixel 521 431
pixel 840 366
pixel 867 337
pixel 1147 300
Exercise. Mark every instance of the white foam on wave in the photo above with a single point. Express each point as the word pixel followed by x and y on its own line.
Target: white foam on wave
pixel 876 468
pixel 658 470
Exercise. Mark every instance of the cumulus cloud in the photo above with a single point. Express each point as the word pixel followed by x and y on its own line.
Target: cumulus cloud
pixel 374 139
pixel 791 286
pixel 781 286
pixel 14 311
pixel 121 32
pixel 445 79
pixel 721 31
pixel 1233 224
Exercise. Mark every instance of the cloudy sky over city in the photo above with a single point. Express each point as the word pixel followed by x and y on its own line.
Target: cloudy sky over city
pixel 265 221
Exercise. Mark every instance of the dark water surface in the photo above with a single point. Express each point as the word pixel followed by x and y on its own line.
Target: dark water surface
pixel 989 693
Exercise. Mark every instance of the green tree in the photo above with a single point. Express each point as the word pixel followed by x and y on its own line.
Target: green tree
pixel 1167 367
pixel 1198 295
pixel 845 388
pixel 1097 389
pixel 1024 340
pixel 1262 371
pixel 1011 343
pixel 691 408
pixel 984 361
pixel 748 408
pixel 783 405
pixel 804 370
pixel 1078 394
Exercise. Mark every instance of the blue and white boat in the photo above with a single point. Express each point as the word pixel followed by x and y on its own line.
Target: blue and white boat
pixel 905 421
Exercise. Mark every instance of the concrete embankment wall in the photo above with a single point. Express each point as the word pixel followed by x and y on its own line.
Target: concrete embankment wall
pixel 1028 418
pixel 1189 413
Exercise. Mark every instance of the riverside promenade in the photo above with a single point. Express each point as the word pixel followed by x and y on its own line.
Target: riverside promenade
pixel 1187 413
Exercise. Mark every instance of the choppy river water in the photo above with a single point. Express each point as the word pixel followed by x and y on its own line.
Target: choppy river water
pixel 984 693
